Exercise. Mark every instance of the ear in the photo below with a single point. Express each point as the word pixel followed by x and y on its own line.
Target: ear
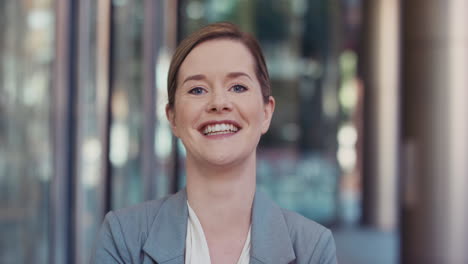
pixel 268 109
pixel 170 114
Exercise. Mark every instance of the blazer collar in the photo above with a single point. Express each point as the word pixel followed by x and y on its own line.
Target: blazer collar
pixel 270 240
pixel 166 238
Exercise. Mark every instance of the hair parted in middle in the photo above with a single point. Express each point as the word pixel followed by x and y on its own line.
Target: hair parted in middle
pixel 220 30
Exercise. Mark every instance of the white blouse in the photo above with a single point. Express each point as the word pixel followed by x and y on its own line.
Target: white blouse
pixel 196 247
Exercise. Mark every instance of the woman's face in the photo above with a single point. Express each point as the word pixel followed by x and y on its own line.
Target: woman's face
pixel 219 112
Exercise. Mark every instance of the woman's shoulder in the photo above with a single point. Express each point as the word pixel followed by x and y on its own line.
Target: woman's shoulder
pixel 309 237
pixel 153 229
pixel 302 225
pixel 142 213
pixel 125 231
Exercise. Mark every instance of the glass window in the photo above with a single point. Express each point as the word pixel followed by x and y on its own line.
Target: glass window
pixel 26 52
pixel 130 110
pixel 91 158
pixel 126 103
pixel 116 48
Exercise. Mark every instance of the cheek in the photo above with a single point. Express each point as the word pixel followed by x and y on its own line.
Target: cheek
pixel 263 123
pixel 187 114
pixel 254 110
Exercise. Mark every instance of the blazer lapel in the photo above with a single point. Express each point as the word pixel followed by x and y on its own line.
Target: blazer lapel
pixel 166 238
pixel 270 242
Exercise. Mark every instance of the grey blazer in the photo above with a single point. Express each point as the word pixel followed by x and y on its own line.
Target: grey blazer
pixel 154 232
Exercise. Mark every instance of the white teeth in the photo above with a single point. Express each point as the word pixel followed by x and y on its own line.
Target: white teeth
pixel 220 129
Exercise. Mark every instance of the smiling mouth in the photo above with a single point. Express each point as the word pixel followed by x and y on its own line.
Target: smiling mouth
pixel 219 129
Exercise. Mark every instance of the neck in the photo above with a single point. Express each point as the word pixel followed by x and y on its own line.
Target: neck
pixel 222 198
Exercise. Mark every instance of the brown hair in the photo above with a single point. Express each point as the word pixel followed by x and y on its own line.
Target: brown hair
pixel 221 30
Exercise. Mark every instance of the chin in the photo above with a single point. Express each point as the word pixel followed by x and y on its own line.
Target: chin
pixel 226 159
pixel 222 160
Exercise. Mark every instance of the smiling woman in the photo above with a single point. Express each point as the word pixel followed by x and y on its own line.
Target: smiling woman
pixel 220 104
pixel 213 96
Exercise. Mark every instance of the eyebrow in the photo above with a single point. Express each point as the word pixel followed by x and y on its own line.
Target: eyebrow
pixel 231 75
pixel 196 77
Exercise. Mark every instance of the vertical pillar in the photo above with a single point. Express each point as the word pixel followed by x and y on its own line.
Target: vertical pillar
pixel 379 70
pixel 103 77
pixel 91 188
pixel 435 131
pixel 152 25
pixel 63 111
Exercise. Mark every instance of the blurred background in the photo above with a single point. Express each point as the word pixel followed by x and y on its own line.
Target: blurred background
pixel 369 137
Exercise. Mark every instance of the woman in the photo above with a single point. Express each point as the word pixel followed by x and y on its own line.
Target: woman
pixel 219 105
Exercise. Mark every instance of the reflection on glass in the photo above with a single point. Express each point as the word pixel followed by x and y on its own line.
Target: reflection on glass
pixel 90 152
pixel 300 161
pixel 26 52
pixel 126 103
pixel 163 134
pixel 348 135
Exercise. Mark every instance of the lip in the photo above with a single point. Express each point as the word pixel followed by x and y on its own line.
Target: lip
pixel 202 126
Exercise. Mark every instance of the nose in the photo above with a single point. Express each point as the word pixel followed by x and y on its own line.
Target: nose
pixel 219 101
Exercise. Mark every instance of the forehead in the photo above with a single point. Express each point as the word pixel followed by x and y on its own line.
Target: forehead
pixel 219 56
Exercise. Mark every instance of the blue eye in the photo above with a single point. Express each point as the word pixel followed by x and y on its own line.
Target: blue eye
pixel 239 88
pixel 197 91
